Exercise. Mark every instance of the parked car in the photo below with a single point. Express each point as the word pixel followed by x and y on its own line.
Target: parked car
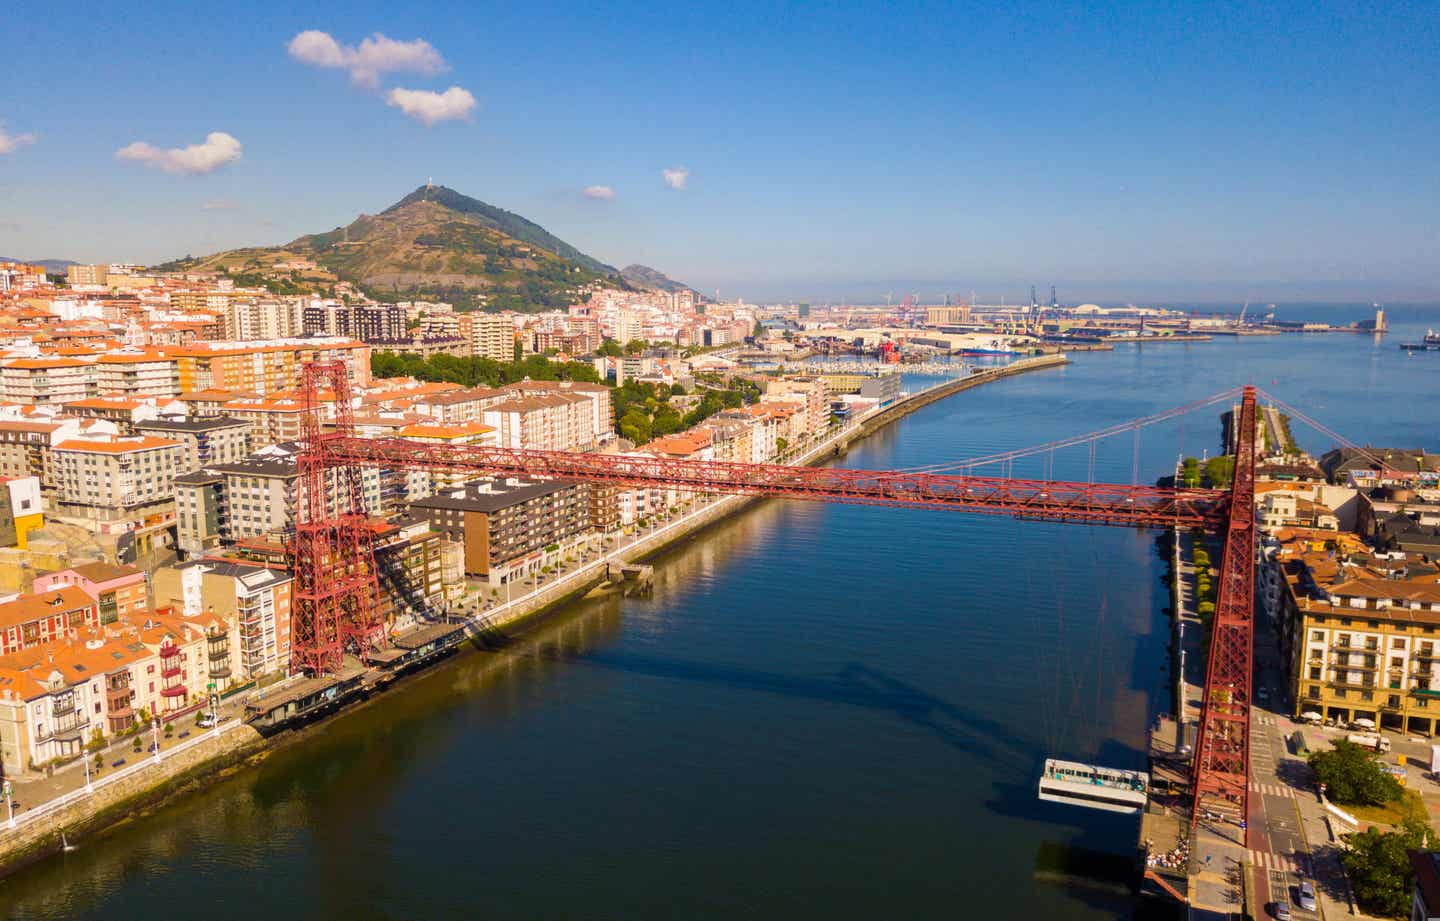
pixel 1281 911
pixel 1307 896
pixel 207 721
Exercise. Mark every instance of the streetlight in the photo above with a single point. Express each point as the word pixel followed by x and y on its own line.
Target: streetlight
pixel 155 735
pixel 86 758
pixel 10 804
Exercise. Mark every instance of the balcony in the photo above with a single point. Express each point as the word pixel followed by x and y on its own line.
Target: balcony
pixel 1357 666
pixel 220 671
pixel 174 690
pixel 1431 656
pixel 123 711
pixel 169 652
pixel 1337 683
pixel 219 652
pixel 62 706
pixel 173 671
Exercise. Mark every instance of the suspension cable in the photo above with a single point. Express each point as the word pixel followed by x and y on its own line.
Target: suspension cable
pixel 1073 440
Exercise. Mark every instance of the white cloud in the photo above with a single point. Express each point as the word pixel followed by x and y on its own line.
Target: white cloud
pixel 431 107
pixel 219 204
pixel 600 192
pixel 676 177
pixel 9 143
pixel 218 149
pixel 375 56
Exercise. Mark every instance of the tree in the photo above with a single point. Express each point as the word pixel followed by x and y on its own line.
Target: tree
pixel 1220 471
pixel 635 347
pixel 610 349
pixel 1352 776
pixel 1379 868
pixel 1190 472
pixel 782 445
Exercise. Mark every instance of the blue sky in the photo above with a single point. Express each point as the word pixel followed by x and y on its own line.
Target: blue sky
pixel 834 150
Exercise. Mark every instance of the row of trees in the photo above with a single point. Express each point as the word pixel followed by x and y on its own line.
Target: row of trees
pixel 477 371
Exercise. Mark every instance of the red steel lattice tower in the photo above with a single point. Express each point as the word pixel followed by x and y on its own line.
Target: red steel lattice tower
pixel 336 607
pixel 1222 753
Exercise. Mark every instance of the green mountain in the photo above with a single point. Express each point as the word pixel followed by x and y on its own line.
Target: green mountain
pixel 433 244
pixel 642 276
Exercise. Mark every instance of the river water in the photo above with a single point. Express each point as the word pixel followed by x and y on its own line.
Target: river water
pixel 823 711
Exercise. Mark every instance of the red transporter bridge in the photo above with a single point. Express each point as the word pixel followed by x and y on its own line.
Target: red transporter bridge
pixel 336 607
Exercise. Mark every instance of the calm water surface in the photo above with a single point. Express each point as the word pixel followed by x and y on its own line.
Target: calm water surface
pixel 823 712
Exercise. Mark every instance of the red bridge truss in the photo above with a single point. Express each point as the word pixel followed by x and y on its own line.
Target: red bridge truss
pixel 337 600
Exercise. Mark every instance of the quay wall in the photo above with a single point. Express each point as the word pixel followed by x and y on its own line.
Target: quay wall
pixel 126 794
pixel 116 799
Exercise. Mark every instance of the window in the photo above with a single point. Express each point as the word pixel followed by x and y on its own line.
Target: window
pixel 1397 643
pixel 1393 702
pixel 1314 673
pixel 1313 692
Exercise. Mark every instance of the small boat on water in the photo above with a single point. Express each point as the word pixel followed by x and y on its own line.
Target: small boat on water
pixel 1095 787
pixel 1431 343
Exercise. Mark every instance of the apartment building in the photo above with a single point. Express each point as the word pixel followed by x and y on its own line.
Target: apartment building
pixel 111 475
pixel 250 601
pixel 366 322
pixel 601 422
pixel 509 528
pixel 256 499
pixel 1361 631
pixel 489 335
pixel 259 320
pixel 266 366
pixel 48 381
pixel 808 392
pixel 54 698
pixel 458 407
pixel 26 448
pixel 118 591
pixel 545 421
pixel 146 373
pixel 33 619
pixel 204 441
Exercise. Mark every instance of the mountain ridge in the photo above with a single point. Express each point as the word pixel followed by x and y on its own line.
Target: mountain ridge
pixel 434 244
pixel 645 277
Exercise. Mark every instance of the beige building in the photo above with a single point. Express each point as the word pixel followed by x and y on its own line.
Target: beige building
pixel 47 381
pixel 260 320
pixel 491 335
pixel 149 373
pixel 252 601
pixel 76 275
pixel 208 440
pixel 116 473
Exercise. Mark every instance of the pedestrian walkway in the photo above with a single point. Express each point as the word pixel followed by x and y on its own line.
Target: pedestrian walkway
pixel 1270 789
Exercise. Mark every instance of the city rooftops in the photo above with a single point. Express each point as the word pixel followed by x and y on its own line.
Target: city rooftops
pixel 203 424
pixel 33 607
pixel 492 495
pixel 116 444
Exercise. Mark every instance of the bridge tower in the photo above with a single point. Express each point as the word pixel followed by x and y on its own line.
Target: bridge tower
pixel 1222 753
pixel 336 606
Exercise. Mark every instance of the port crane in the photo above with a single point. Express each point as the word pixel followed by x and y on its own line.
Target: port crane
pixel 336 607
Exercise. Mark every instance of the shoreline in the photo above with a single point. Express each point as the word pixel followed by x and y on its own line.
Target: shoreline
pixel 234 746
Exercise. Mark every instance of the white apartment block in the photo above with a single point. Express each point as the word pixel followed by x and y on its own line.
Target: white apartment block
pixel 116 472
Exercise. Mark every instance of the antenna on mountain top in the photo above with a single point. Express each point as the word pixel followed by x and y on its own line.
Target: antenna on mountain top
pixel 430 183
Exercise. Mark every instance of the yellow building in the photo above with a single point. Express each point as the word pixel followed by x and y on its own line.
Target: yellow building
pixel 265 366
pixel 1361 633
